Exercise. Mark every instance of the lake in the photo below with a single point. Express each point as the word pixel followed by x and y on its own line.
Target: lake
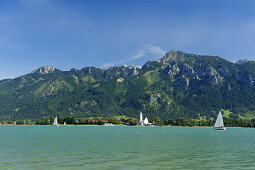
pixel 117 147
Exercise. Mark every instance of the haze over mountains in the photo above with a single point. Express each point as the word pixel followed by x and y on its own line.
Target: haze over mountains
pixel 177 85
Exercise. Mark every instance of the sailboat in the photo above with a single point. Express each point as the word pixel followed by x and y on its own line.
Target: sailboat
pixel 14 123
pixel 219 123
pixel 55 121
pixel 64 123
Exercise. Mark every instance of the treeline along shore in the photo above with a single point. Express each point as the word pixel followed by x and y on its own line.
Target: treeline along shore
pixel 130 121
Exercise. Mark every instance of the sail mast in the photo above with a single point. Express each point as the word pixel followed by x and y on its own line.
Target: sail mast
pixel 55 121
pixel 219 121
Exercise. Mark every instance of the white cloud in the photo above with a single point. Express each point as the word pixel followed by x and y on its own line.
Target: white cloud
pixel 155 50
pixel 148 49
pixel 140 54
pixel 108 65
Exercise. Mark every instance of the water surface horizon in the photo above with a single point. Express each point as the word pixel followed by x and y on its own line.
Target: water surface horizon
pixel 123 147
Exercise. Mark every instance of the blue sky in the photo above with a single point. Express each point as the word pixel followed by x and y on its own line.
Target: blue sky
pixel 79 33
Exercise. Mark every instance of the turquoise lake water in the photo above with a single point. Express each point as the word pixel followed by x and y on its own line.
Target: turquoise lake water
pixel 98 147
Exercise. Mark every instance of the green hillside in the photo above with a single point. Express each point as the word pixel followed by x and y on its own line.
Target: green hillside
pixel 177 85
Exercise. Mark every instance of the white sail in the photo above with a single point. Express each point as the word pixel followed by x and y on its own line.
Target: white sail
pixel 55 121
pixel 64 123
pixel 219 121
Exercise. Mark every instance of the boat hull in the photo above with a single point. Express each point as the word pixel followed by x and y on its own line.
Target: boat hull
pixel 219 128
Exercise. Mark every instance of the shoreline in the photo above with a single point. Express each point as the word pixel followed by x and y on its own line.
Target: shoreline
pixel 61 125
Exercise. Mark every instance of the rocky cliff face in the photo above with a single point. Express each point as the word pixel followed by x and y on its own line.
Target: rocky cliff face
pixel 44 70
pixel 121 71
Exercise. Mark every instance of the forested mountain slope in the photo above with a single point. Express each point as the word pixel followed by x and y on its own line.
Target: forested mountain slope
pixel 177 85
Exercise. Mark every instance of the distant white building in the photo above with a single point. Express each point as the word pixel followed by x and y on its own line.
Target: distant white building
pixel 145 121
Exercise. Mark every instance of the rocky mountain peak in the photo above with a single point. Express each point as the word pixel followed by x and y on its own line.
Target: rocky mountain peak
pixel 239 62
pixel 172 54
pixel 44 70
pixel 173 57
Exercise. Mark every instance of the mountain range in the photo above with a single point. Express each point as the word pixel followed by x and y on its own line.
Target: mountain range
pixel 177 85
